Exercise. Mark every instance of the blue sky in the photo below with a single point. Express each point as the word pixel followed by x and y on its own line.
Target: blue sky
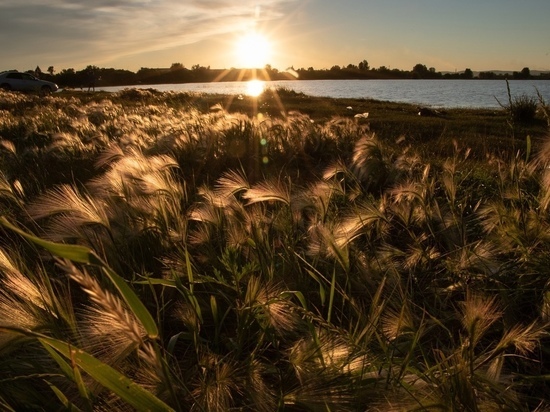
pixel 129 34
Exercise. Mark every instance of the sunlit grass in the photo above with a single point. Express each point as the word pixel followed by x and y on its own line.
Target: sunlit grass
pixel 290 262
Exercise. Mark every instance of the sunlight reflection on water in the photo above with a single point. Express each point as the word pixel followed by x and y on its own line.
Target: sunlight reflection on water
pixel 255 87
pixel 434 93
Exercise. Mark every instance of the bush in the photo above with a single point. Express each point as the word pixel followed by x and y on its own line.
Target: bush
pixel 523 109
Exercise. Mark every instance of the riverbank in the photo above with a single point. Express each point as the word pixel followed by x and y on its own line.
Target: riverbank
pixel 483 130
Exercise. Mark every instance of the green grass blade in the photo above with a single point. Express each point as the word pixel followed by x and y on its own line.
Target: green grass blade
pixel 133 301
pixel 69 406
pixel 75 253
pixel 153 281
pixel 331 296
pixel 298 295
pixel 173 341
pixel 71 372
pixel 82 254
pixel 110 378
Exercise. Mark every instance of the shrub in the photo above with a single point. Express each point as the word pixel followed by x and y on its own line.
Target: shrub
pixel 523 109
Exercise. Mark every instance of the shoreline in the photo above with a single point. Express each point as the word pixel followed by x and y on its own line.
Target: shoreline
pixel 434 94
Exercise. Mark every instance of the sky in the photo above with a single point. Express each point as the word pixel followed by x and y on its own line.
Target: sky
pixel 448 35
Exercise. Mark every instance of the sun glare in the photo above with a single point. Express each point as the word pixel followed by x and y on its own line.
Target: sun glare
pixel 253 51
pixel 255 87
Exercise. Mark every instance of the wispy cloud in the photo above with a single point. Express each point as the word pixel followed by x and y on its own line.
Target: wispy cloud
pixel 74 30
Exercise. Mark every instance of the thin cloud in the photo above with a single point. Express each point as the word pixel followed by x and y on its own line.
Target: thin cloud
pixel 70 30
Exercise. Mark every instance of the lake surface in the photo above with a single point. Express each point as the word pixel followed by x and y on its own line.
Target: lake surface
pixel 433 93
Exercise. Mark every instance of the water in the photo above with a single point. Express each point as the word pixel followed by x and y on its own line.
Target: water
pixel 432 93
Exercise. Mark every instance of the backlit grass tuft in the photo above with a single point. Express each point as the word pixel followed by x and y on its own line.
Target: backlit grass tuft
pixel 297 261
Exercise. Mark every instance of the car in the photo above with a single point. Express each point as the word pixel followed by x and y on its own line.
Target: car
pixel 25 82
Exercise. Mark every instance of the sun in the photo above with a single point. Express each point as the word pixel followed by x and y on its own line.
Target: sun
pixel 252 50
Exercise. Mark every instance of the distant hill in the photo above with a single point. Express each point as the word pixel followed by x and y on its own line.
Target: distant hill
pixel 499 72
pixel 503 72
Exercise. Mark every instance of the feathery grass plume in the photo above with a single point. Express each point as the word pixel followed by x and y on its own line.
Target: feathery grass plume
pixel 8 146
pixel 219 205
pixel 324 364
pixel 210 214
pixel 525 339
pixel 451 178
pixel 144 199
pixel 241 371
pixel 210 209
pixel 110 155
pixel 478 314
pixel 271 307
pixel 289 134
pixel 369 163
pixel 407 165
pixel 520 229
pixel 542 163
pixel 141 182
pixel 238 140
pixel 64 143
pixel 21 301
pixel 418 190
pixel 216 385
pixel 21 286
pixel 320 142
pixel 231 183
pixel 323 243
pixel 316 203
pixel 398 323
pixel 69 212
pixel 257 388
pixel 12 193
pixel 269 191
pixel 31 299
pixel 448 385
pixel 495 217
pixel 474 262
pixel 472 375
pixel 109 330
pixel 251 229
pixel 338 171
pixel 366 219
pixel 123 177
pixel 344 132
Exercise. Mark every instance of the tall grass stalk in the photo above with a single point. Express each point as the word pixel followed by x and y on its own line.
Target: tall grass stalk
pixel 211 261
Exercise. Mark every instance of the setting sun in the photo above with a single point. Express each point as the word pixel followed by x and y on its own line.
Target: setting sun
pixel 253 51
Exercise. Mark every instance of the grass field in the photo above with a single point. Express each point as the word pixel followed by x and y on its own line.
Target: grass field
pixel 164 251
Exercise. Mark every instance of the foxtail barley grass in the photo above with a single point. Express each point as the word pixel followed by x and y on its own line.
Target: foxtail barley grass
pixel 111 329
pixel 286 264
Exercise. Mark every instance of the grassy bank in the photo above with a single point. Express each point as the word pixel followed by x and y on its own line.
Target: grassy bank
pixel 487 130
pixel 202 252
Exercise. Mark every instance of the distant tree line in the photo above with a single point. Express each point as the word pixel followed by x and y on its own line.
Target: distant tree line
pixel 178 73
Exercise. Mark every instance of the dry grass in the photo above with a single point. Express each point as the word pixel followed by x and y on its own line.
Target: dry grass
pixel 288 262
